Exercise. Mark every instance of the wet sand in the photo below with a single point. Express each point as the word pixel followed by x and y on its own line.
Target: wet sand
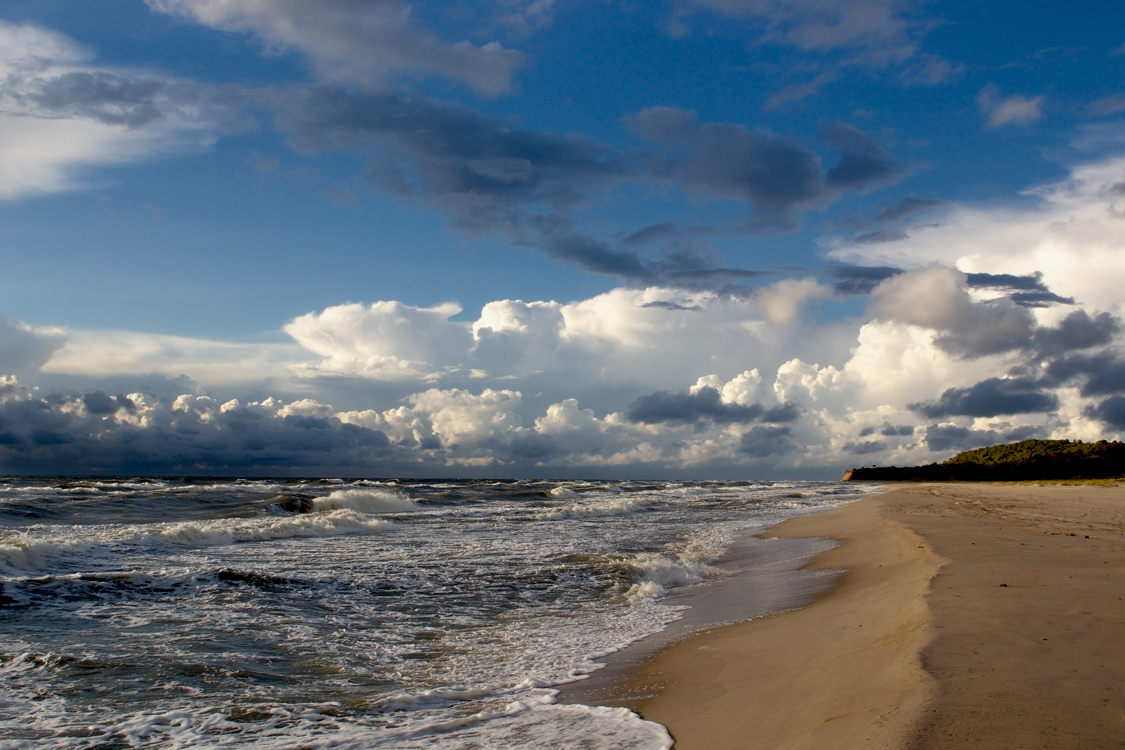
pixel 967 615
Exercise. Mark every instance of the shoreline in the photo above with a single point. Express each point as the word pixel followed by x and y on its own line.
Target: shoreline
pixel 964 613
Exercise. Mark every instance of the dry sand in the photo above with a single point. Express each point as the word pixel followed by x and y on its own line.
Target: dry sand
pixel 921 645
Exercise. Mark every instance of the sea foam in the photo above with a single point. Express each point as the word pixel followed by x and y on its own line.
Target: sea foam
pixel 365 501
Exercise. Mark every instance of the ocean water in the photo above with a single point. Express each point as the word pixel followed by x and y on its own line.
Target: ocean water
pixel 169 613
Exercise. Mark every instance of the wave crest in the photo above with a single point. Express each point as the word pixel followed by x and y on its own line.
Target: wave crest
pixel 228 531
pixel 617 506
pixel 365 501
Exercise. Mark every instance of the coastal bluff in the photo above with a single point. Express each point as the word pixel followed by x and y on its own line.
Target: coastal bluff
pixel 1027 460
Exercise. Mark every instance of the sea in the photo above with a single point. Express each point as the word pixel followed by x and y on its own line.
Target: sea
pixel 338 613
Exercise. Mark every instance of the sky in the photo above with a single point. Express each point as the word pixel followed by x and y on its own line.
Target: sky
pixel 728 239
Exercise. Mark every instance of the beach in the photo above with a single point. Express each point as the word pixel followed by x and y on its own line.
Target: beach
pixel 967 614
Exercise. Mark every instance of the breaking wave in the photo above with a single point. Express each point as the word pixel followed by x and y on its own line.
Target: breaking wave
pixel 365 501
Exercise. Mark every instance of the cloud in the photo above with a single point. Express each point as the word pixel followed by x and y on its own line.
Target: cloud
pixel 906 208
pixel 1012 110
pixel 23 349
pixel 1027 291
pixel 775 176
pixel 888 430
pixel 990 398
pixel 1078 330
pixel 865 447
pixel 605 384
pixel 938 298
pixel 482 174
pixel 949 438
pixel 858 279
pixel 764 441
pixel 703 404
pixel 1111 412
pixel 652 338
pixel 1066 230
pixel 782 300
pixel 108 353
pixel 1107 106
pixel 879 236
pixel 383 340
pixel 1102 374
pixel 880 27
pixel 369 43
pixel 97 432
pixel 61 116
pixel 863 163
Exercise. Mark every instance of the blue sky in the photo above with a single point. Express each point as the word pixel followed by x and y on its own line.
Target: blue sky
pixel 539 237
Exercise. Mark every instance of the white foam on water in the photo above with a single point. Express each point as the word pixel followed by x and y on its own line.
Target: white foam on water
pixel 600 507
pixel 660 572
pixel 38 546
pixel 365 501
pixel 563 492
pixel 24 550
pixel 229 531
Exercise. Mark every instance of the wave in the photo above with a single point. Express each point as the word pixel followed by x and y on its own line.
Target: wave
pixel 365 501
pixel 24 551
pixel 228 531
pixel 658 573
pixel 617 506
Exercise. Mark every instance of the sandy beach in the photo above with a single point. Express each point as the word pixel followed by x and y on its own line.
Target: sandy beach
pixel 967 615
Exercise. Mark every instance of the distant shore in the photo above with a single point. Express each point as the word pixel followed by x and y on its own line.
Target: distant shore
pixel 966 613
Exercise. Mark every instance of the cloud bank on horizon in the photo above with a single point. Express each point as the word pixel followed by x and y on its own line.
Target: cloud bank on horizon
pixel 651 280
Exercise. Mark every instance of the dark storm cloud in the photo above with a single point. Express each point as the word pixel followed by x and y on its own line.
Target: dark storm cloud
pixel 888 430
pixel 481 173
pixel 556 236
pixel 1027 291
pixel 484 176
pixel 775 176
pixel 704 405
pixel 102 433
pixel 906 208
pixel 859 279
pixel 863 163
pixel 101 403
pixel 1079 330
pixel 597 256
pixel 1103 374
pixel 952 438
pixel 765 441
pixel 788 412
pixel 865 447
pixel 990 398
pixel 1111 411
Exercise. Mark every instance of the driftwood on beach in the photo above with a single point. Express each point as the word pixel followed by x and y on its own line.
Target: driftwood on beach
pixel 1022 461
